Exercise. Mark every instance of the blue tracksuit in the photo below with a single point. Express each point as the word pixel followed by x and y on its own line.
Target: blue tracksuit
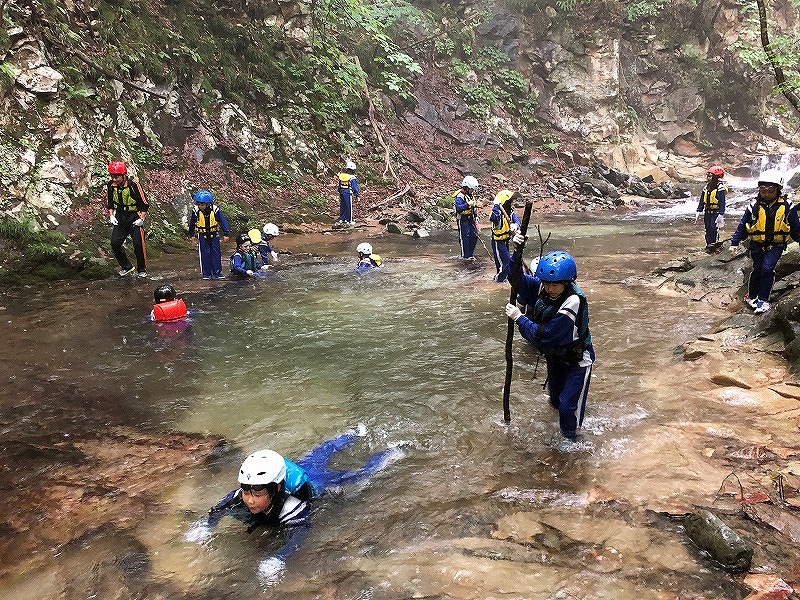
pixel 559 329
pixel 769 227
pixel 501 233
pixel 712 204
pixel 467 223
pixel 265 252
pixel 348 189
pixel 207 227
pixel 305 480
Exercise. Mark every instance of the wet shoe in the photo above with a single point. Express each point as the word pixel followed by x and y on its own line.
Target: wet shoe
pixel 123 272
pixel 206 278
pixel 142 274
pixel 751 303
pixel 761 307
pixel 221 277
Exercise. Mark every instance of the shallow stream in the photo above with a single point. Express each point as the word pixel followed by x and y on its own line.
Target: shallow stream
pixel 415 353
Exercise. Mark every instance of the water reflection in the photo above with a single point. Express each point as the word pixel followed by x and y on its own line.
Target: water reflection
pixel 414 352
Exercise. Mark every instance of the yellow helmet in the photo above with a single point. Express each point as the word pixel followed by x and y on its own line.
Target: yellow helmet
pixel 504 196
pixel 255 236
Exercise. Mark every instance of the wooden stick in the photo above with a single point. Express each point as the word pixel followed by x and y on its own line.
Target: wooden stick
pixel 514 278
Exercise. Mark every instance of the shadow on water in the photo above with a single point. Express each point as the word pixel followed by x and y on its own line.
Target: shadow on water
pixel 474 507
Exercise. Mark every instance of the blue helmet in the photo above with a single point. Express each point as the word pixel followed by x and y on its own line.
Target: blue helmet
pixel 557 266
pixel 204 196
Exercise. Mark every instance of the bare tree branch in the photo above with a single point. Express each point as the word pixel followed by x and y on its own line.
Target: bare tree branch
pixel 780 77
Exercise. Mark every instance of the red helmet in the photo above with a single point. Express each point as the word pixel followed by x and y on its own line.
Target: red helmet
pixel 716 171
pixel 117 168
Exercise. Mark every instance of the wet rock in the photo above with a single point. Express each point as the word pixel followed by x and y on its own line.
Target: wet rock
pixel 723 544
pixel 767 587
pixel 421 232
pixel 777 518
pixel 393 227
pixel 730 379
pixel 416 216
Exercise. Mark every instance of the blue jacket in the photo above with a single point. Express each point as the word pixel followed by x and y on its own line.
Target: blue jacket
pixel 241 262
pixel 463 208
pixel 751 217
pixel 558 328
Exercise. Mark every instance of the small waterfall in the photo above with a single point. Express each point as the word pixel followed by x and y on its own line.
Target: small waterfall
pixel 788 164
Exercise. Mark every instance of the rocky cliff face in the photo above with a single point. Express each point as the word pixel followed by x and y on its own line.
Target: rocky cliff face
pixel 243 86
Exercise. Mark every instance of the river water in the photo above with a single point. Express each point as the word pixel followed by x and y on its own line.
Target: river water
pixel 468 507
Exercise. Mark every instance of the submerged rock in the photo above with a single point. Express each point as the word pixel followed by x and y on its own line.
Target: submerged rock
pixel 723 544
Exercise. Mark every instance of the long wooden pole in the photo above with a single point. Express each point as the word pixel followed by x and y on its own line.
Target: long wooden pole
pixel 516 260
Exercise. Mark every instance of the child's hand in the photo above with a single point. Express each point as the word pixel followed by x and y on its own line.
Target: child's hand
pixel 513 312
pixel 270 570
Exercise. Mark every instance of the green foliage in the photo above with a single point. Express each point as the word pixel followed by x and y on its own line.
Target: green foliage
pixel 144 156
pixel 526 6
pixel 380 26
pixel 6 77
pixel 444 47
pixel 40 245
pixel 314 202
pixel 636 10
pixel 549 142
pixel 237 217
pixel 445 201
pixel 23 230
pixel 479 98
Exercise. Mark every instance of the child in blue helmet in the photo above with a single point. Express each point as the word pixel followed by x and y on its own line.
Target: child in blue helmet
pixel 276 493
pixel 206 224
pixel 557 324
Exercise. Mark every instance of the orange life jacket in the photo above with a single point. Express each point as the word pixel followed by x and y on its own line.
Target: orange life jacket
pixel 169 311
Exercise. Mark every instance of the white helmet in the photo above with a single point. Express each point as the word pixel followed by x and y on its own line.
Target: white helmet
pixel 263 467
pixel 350 165
pixel 771 176
pixel 364 248
pixel 271 229
pixel 470 182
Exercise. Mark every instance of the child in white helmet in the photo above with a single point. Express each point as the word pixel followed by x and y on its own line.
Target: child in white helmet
pixel 466 218
pixel 275 492
pixel 347 184
pixel 770 221
pixel 265 249
pixel 366 259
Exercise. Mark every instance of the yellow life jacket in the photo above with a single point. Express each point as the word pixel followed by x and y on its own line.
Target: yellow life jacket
pixel 375 259
pixel 709 200
pixel 469 211
pixel 207 225
pixel 121 198
pixel 502 231
pixel 344 181
pixel 776 231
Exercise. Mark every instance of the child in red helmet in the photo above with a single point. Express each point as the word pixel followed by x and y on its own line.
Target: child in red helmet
pixel 712 206
pixel 127 208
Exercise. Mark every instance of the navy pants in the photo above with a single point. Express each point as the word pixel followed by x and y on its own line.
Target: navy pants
pixel 210 256
pixel 568 386
pixel 345 205
pixel 763 275
pixel 315 463
pixel 502 259
pixel 468 236
pixel 712 233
